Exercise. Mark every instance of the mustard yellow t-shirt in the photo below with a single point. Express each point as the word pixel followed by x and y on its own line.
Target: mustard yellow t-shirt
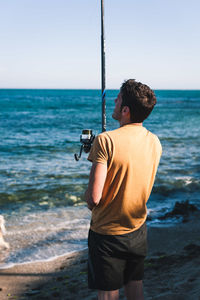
pixel 132 155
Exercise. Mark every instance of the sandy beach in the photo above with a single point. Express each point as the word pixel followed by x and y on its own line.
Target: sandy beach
pixel 172 270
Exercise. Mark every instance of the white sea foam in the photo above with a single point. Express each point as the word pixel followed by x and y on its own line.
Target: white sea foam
pixel 46 235
pixel 186 179
pixel 10 265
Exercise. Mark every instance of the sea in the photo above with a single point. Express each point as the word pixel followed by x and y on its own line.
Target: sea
pixel 42 186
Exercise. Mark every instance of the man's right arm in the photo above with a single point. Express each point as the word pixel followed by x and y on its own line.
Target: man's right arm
pixel 97 179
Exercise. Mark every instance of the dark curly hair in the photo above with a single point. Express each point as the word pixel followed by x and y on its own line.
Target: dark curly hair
pixel 139 98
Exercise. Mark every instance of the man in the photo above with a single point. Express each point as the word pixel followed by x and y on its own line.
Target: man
pixel 124 165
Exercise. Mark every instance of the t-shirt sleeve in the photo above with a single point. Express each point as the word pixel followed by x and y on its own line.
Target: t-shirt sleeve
pixel 159 146
pixel 99 152
pixel 158 149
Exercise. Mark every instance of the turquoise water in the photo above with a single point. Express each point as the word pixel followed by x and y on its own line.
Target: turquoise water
pixel 40 180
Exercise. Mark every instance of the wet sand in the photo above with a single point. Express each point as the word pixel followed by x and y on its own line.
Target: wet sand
pixel 172 270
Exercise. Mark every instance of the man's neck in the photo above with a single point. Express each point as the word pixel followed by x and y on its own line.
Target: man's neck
pixel 122 123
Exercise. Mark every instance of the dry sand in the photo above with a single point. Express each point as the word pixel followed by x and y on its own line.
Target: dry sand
pixel 172 270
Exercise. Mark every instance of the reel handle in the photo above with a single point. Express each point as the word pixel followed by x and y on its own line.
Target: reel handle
pixel 76 156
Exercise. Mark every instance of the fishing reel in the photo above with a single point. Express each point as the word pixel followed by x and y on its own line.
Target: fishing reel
pixel 86 139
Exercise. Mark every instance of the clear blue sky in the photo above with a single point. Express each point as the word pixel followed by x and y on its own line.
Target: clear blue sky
pixel 56 43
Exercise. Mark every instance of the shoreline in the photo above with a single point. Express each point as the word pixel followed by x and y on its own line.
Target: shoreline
pixel 181 212
pixel 171 269
pixel 48 260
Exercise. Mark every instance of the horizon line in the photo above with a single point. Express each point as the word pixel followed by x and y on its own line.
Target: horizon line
pixel 99 89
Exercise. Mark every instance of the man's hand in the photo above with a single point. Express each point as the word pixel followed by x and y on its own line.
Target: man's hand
pixel 89 205
pixel 97 179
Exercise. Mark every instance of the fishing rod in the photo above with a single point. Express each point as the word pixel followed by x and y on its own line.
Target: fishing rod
pixel 103 70
pixel 87 137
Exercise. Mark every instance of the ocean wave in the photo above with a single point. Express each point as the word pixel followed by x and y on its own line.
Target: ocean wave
pixel 39 236
pixel 49 197
pixel 178 184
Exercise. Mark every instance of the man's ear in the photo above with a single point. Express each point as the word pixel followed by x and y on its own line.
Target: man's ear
pixel 125 110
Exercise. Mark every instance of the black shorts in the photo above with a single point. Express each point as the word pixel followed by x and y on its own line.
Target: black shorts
pixel 114 260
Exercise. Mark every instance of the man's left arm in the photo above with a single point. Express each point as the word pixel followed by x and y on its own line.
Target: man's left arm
pixel 97 179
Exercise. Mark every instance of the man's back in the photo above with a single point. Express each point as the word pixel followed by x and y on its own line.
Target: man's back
pixel 131 154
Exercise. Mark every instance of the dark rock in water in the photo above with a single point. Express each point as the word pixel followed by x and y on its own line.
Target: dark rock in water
pixel 192 249
pixel 149 218
pixel 180 209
